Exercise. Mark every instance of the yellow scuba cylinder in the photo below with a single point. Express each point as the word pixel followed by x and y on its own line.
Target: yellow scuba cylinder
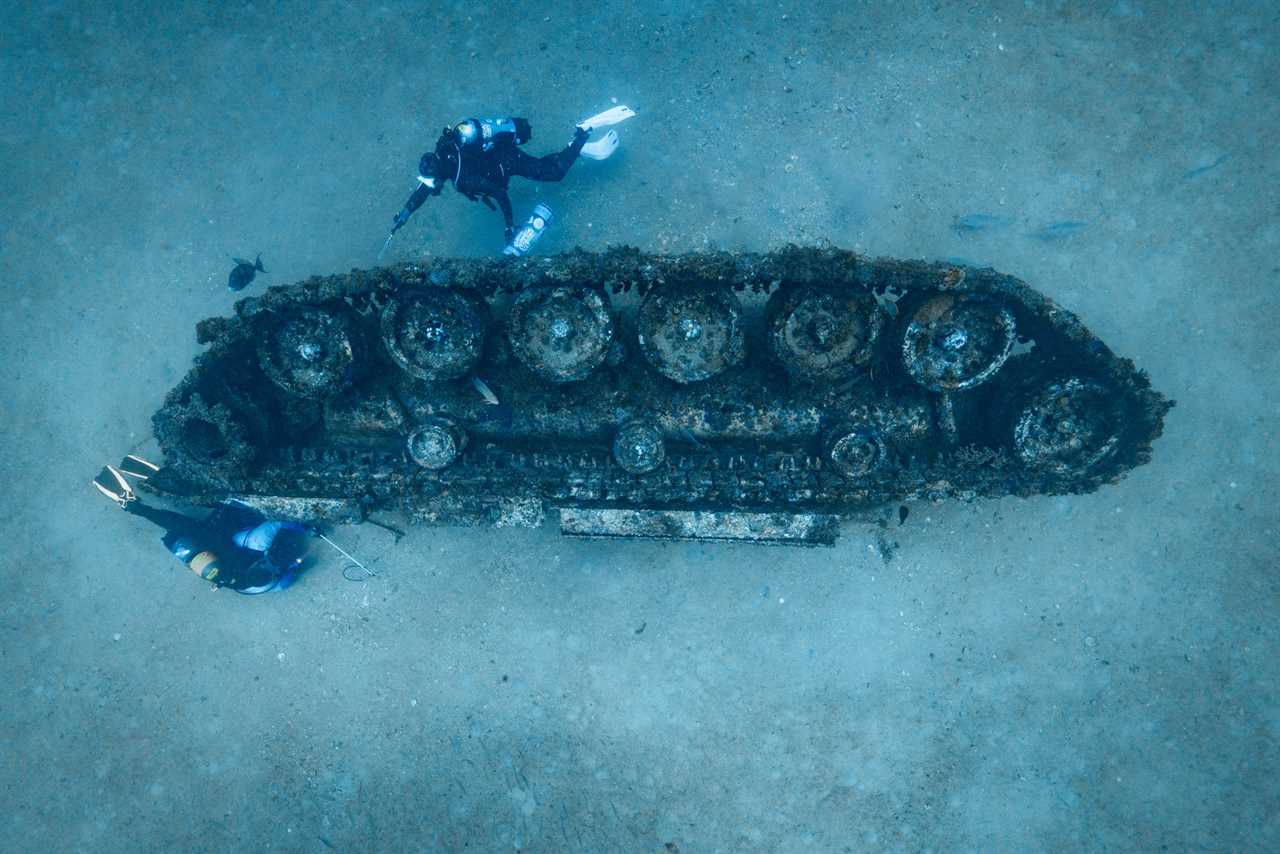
pixel 202 562
pixel 205 565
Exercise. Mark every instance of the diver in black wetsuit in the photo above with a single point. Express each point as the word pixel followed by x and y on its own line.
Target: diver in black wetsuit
pixel 479 156
pixel 235 546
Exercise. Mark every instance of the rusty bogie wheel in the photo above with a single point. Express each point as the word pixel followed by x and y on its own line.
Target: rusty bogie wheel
pixel 561 332
pixel 691 334
pixel 435 334
pixel 816 331
pixel 954 342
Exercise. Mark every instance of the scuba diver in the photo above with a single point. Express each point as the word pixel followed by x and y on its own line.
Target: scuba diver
pixel 480 155
pixel 235 546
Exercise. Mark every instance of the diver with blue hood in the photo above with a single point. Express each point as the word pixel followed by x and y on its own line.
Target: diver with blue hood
pixel 234 546
pixel 480 156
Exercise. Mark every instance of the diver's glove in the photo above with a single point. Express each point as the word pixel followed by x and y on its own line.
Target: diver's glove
pixel 314 531
pixel 400 219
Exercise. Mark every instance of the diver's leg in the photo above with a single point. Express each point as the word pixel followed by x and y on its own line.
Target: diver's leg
pixel 173 524
pixel 183 536
pixel 550 167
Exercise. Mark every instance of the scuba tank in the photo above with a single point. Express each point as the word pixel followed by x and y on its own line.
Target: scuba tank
pixel 203 563
pixel 263 575
pixel 529 233
pixel 485 132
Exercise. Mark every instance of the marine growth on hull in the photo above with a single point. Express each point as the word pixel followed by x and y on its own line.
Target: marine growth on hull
pixel 721 395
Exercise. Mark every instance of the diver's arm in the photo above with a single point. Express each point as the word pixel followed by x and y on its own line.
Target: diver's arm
pixel 415 201
pixel 260 538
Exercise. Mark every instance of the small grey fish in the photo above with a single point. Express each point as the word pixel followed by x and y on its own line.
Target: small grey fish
pixel 485 392
pixel 1200 170
pixel 1059 230
pixel 973 223
pixel 687 435
pixel 243 272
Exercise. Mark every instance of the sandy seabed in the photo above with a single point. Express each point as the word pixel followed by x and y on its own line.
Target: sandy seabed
pixel 1090 672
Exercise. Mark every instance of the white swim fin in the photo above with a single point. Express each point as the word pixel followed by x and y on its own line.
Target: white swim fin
pixel 611 116
pixel 600 149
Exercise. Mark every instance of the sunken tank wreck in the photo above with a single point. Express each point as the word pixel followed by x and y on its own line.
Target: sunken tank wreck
pixel 736 396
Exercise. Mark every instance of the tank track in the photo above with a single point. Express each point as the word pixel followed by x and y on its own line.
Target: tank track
pixel 718 395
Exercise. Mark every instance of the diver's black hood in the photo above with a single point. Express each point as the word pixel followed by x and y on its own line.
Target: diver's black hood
pixel 441 164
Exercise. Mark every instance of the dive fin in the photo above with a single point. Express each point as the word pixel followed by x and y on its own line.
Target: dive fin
pixel 601 148
pixel 136 466
pixel 611 116
pixel 111 483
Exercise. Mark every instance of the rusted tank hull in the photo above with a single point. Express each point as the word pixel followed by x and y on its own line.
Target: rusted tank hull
pixel 721 395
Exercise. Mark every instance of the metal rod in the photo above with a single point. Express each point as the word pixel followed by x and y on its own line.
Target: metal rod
pixel 348 556
pixel 385 244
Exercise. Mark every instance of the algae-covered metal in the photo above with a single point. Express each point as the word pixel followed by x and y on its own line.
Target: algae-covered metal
pixel 720 395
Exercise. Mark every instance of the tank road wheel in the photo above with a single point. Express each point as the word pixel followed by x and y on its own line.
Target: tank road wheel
pixel 203 443
pixel 561 332
pixel 954 342
pixel 309 352
pixel 691 333
pixel 436 444
pixel 815 331
pixel 435 334
pixel 638 447
pixel 856 451
pixel 1067 427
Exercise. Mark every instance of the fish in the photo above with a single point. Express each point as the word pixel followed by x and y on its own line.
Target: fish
pixel 485 392
pixel 1200 170
pixel 687 435
pixel 1059 230
pixel 903 512
pixel 243 272
pixel 973 223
